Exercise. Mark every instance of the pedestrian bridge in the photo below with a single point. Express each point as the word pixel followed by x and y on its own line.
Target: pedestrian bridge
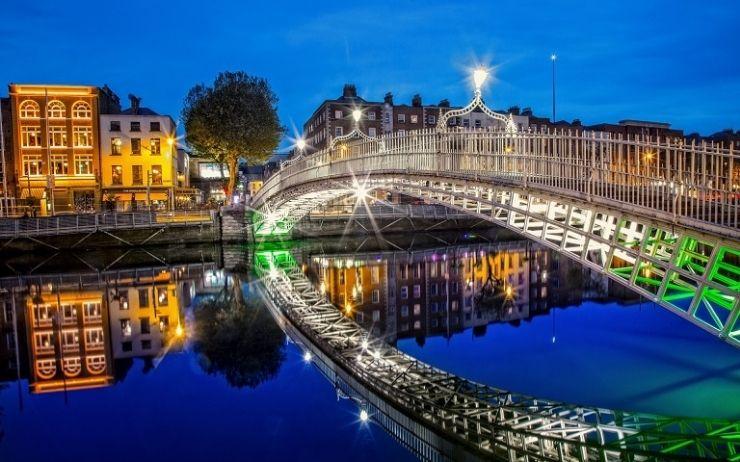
pixel 440 416
pixel 660 216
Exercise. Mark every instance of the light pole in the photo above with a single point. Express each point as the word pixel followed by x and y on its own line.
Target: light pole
pixel 553 58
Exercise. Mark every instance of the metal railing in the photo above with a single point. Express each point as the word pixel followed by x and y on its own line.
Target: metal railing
pixel 696 185
pixel 70 224
pixel 390 211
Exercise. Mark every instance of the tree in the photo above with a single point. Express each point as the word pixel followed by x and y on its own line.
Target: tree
pixel 238 339
pixel 236 117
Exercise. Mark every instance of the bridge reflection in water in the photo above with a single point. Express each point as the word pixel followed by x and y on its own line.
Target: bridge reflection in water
pixel 436 414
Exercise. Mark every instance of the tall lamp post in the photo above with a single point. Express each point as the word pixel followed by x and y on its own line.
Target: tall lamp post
pixel 553 58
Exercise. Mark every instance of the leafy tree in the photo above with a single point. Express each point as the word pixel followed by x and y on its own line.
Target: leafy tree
pixel 236 117
pixel 239 340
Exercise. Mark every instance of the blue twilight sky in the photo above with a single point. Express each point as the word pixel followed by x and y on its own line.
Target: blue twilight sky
pixel 656 60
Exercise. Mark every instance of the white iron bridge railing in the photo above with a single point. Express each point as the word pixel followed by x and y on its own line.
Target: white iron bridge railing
pixel 695 185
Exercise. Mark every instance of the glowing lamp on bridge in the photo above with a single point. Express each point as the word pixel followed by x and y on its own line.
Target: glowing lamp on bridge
pixel 307 356
pixel 364 416
pixel 357 115
pixel 300 144
pixel 364 344
pixel 480 76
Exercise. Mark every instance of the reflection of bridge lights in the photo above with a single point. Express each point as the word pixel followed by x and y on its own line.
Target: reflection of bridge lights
pixel 649 155
pixel 364 416
pixel 179 331
pixel 376 354
pixel 273 273
pixel 509 292
pixel 307 356
pixel 508 149
pixel 348 309
pixel 544 276
pixel 364 344
pixel 322 288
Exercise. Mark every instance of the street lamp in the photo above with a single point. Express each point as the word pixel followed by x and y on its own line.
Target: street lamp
pixel 357 115
pixel 301 144
pixel 480 76
pixel 553 58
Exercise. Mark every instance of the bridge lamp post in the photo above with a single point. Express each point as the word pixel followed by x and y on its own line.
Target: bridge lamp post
pixel 553 58
pixel 364 416
pixel 307 356
pixel 480 76
pixel 301 145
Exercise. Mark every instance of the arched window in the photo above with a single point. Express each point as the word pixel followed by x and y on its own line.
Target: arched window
pixel 29 109
pixel 55 110
pixel 81 110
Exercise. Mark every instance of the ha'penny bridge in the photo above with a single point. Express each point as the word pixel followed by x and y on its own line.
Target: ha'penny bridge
pixel 660 216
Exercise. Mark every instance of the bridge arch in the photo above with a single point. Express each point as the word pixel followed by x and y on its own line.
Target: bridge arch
pixel 661 229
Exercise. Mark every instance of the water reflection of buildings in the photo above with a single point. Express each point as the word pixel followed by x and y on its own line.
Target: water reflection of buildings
pixel 72 332
pixel 442 291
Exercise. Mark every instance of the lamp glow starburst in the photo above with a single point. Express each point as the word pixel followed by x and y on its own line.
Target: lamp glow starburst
pixel 301 144
pixel 480 75
pixel 357 115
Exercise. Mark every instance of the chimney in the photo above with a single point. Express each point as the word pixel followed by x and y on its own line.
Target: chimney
pixel 135 103
pixel 416 100
pixel 514 110
pixel 527 111
pixel 349 90
pixel 444 103
pixel 388 99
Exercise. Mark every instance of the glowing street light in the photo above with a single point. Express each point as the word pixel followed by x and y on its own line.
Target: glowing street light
pixel 364 416
pixel 480 76
pixel 357 115
pixel 364 344
pixel 307 356
pixel 301 144
pixel 170 141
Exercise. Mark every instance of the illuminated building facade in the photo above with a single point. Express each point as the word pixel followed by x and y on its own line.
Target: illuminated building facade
pixel 139 159
pixel 145 315
pixel 67 339
pixel 55 144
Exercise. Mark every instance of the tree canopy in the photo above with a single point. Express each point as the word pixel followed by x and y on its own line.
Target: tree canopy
pixel 236 117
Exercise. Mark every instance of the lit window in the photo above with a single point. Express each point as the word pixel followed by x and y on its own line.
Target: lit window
pixel 417 309
pixel 371 115
pixel 414 119
pixel 32 165
pixel 136 177
pixel 338 114
pixel 371 131
pixel 376 296
pixel 56 110
pixel 81 110
pixel 338 131
pixel 83 164
pixel 82 137
pixel 58 137
pixel 115 146
pixel 29 110
pixel 117 175
pixel 155 146
pixel 135 146
pixel 59 164
pixel 156 174
pixel 404 292
pixel 31 137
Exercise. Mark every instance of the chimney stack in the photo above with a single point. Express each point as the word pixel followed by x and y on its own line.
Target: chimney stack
pixel 416 100
pixel 135 103
pixel 349 90
pixel 388 99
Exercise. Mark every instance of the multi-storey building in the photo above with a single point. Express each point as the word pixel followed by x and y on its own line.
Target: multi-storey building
pixel 67 339
pixel 139 159
pixel 55 144
pixel 7 167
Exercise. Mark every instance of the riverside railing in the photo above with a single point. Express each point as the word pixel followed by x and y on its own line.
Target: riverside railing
pixel 694 184
pixel 69 224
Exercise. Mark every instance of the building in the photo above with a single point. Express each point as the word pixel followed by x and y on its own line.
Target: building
pixel 210 178
pixel 55 145
pixel 67 339
pixel 140 165
pixel 7 168
pixel 629 128
pixel 333 118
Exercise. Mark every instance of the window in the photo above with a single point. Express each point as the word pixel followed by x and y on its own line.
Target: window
pixel 435 307
pixel 417 325
pixel 58 137
pixel 341 277
pixel 434 289
pixel 417 271
pixel 153 126
pixel 56 110
pixel 404 310
pixel 371 131
pixel 126 327
pixel 31 137
pixel 477 123
pixel 83 164
pixel 454 305
pixel 32 165
pixel 82 137
pixel 145 326
pixel 338 131
pixel 371 115
pixel 454 287
pixel 433 269
pixel 59 164
pixel 29 110
pixel 414 119
pixel 156 174
pixel 136 176
pixel 127 346
pixel 405 292
pixel 143 298
pixel 376 296
pixel 91 310
pixel 466 122
pixel 401 118
pixel 81 110
pixel 401 131
pixel 146 344
pixel 115 125
pixel 417 309
pixel 376 315
pixel 375 274
pixel 117 175
pixel 70 340
pixel 338 114
pixel 135 146
pixel 417 291
pixel 115 146
pixel 135 126
pixel 404 269
pixel 431 120
pixel 162 296
pixel 94 338
pixel 155 146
